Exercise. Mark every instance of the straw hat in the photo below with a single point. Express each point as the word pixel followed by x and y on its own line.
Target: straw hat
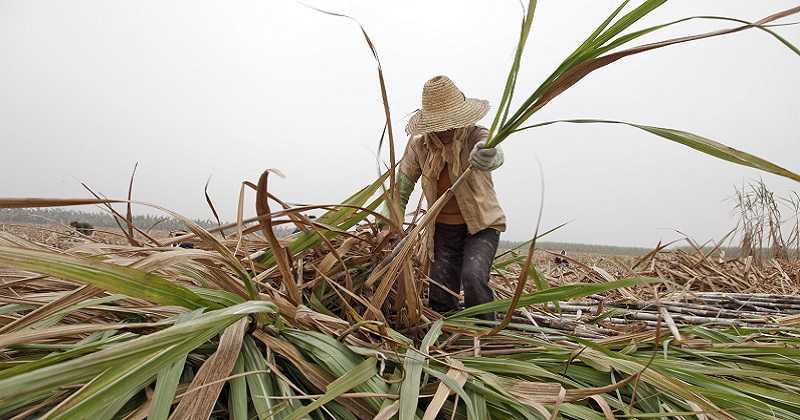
pixel 445 107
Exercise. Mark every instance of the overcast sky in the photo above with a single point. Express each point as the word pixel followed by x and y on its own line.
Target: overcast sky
pixel 197 88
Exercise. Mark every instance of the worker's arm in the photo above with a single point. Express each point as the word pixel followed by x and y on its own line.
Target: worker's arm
pixel 405 186
pixel 409 171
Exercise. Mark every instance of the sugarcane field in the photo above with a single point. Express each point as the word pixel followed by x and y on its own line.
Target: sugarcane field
pixel 326 210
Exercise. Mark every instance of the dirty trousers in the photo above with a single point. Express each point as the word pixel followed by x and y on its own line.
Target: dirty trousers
pixel 461 259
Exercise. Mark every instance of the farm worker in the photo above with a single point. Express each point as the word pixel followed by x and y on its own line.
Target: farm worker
pixel 444 141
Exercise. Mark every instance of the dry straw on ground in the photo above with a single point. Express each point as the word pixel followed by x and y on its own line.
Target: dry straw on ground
pixel 295 356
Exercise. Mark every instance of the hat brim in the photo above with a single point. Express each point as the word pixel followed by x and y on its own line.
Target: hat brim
pixel 466 114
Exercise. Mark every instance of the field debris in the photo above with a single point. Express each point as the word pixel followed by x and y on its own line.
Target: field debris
pixel 535 361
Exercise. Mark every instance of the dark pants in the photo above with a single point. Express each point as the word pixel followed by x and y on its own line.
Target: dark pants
pixel 461 259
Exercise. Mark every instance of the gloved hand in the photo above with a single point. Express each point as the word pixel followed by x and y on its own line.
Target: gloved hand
pixel 486 159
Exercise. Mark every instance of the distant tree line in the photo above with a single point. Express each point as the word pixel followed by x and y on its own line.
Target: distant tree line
pixel 148 221
pixel 105 220
pixel 724 251
pixel 577 247
pixel 66 216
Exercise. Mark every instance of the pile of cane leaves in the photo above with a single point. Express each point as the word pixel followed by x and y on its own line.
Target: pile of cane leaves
pixel 250 326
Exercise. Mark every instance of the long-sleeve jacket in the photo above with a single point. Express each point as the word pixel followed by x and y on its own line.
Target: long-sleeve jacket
pixel 424 158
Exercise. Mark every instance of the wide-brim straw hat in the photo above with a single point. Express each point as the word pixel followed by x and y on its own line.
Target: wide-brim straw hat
pixel 445 107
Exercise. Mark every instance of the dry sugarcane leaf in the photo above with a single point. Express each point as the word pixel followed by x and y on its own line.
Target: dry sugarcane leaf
pixel 211 206
pixel 32 336
pixel 80 294
pixel 21 203
pixel 330 259
pixel 393 197
pixel 459 375
pixel 402 252
pixel 131 282
pixel 262 209
pixel 129 213
pixel 607 412
pixel 388 412
pixel 199 399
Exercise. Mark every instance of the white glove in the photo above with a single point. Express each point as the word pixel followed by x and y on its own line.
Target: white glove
pixel 486 159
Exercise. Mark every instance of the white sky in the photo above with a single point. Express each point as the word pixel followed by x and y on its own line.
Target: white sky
pixel 197 88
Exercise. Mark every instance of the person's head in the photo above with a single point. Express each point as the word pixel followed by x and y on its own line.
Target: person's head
pixel 445 109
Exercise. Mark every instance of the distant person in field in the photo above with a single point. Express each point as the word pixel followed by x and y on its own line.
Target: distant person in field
pixel 444 142
pixel 82 227
pixel 560 261
pixel 312 218
pixel 182 244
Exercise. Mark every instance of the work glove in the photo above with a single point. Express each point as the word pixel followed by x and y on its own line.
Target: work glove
pixel 485 158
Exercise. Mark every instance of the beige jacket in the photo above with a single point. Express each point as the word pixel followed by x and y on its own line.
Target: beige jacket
pixel 425 157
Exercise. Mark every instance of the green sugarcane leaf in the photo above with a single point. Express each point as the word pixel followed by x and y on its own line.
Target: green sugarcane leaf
pixel 167 381
pixel 626 21
pixel 56 317
pixel 166 384
pixel 589 58
pixel 112 386
pixel 693 141
pixel 223 298
pixel 113 278
pixel 350 380
pixel 112 411
pixel 634 35
pixel 511 80
pixel 336 358
pixel 55 358
pixel 481 411
pixel 538 278
pixel 414 361
pixel 125 378
pixel 260 384
pixel 719 150
pixel 82 368
pixel 554 294
pixel 586 51
pixel 237 398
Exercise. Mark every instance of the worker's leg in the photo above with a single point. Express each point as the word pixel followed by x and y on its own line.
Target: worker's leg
pixel 448 249
pixel 479 252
